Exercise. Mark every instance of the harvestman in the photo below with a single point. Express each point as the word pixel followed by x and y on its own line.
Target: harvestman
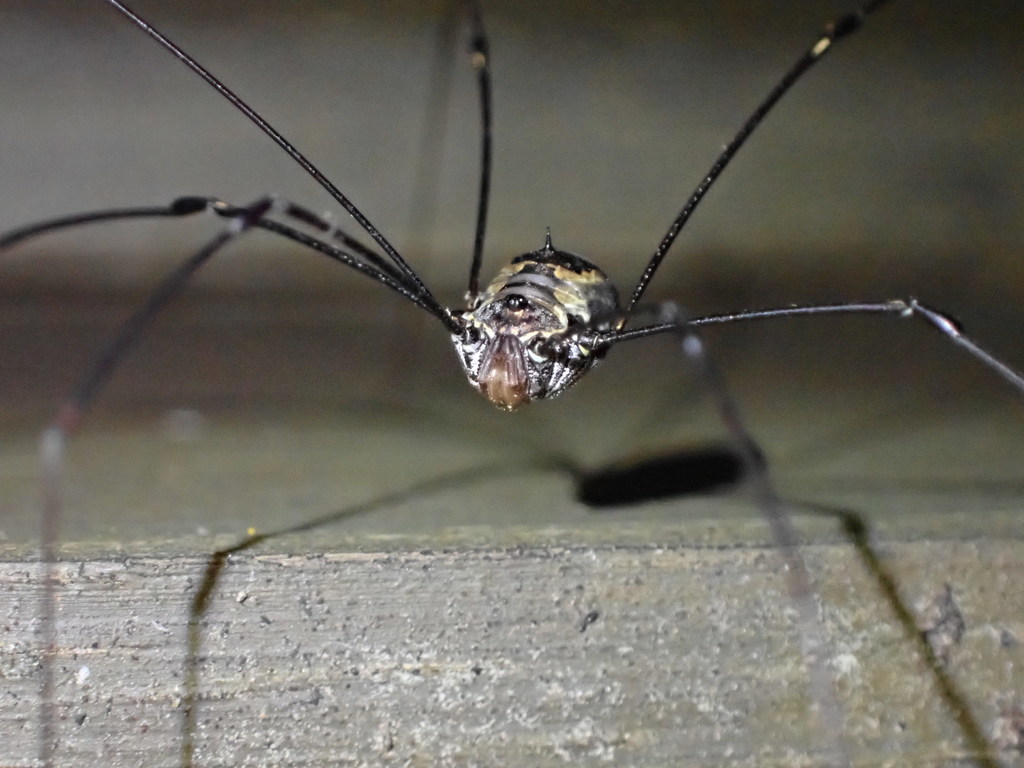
pixel 546 319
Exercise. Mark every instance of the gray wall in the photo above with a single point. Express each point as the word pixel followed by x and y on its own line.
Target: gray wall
pixel 895 168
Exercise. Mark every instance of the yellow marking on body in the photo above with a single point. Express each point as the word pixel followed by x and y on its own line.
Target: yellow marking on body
pixel 587 276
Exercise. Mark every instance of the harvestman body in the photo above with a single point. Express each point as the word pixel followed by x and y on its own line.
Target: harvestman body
pixel 546 319
pixel 537 327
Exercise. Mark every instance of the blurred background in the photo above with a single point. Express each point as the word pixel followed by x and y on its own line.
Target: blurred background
pixel 894 169
pixel 901 156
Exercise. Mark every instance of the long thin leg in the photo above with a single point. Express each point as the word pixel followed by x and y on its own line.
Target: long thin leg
pixel 292 152
pixel 359 257
pixel 219 560
pixel 480 52
pixel 188 205
pixel 941 321
pixel 832 34
pixel 21 234
pixel 55 437
pixel 364 260
pixel 800 585
pixel 801 590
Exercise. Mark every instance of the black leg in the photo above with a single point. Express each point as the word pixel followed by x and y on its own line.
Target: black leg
pixel 942 322
pixel 801 589
pixel 54 440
